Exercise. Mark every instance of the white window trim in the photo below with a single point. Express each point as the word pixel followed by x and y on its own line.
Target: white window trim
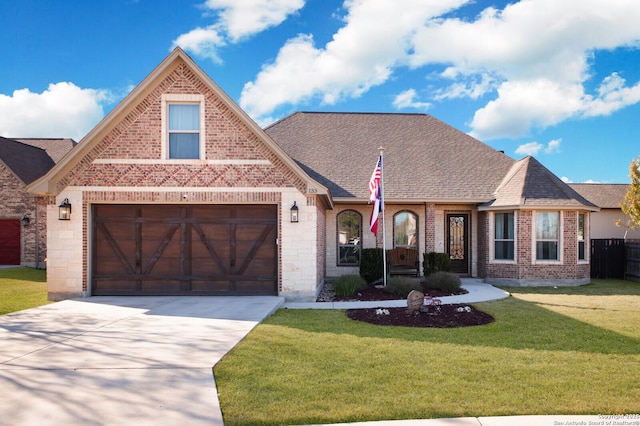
pixel 587 248
pixel 492 244
pixel 534 239
pixel 178 98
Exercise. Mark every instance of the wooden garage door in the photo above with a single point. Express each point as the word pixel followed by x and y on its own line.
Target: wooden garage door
pixel 9 242
pixel 184 250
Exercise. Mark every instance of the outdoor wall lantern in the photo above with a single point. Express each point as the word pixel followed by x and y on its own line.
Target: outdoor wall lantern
pixel 65 210
pixel 294 213
pixel 25 220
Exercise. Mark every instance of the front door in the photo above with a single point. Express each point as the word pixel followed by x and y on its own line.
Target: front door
pixel 458 242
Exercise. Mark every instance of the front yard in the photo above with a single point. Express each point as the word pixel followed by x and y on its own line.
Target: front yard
pixel 550 351
pixel 22 288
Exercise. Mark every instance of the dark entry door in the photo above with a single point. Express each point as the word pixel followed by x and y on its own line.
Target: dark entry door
pixel 458 242
pixel 184 250
pixel 10 242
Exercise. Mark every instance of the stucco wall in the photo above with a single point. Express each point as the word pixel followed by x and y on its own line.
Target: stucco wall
pixel 603 225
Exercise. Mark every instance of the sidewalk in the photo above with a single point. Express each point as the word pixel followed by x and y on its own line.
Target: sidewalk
pixel 478 291
pixel 501 421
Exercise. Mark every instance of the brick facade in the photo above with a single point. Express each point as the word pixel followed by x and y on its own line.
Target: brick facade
pixel 16 202
pixel 123 162
pixel 525 269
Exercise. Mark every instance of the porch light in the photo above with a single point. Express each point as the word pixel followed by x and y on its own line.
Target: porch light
pixel 65 210
pixel 25 220
pixel 294 213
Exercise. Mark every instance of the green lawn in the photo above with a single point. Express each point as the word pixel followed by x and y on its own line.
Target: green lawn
pixel 550 351
pixel 22 288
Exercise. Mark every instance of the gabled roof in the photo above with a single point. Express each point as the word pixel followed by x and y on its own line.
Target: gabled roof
pixel 531 185
pixel 47 184
pixel 55 147
pixel 424 158
pixel 603 195
pixel 27 162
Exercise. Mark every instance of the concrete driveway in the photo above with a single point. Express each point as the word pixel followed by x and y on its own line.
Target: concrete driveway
pixel 121 360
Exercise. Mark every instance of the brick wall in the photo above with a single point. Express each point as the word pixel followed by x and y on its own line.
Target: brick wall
pixel 528 270
pixel 125 164
pixel 16 202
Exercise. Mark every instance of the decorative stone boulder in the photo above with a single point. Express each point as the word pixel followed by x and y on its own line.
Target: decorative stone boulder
pixel 415 299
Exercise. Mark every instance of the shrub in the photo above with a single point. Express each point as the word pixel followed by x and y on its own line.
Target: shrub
pixel 435 262
pixel 371 264
pixel 347 285
pixel 402 286
pixel 443 281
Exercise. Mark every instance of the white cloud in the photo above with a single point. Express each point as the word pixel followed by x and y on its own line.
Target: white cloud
pixel 553 146
pixel 473 87
pixel 534 148
pixel 236 21
pixel 407 99
pixel 244 18
pixel 531 148
pixel 62 110
pixel 531 60
pixel 362 54
pixel 540 52
pixel 203 42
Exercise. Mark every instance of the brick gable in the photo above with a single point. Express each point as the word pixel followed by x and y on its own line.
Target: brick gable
pixel 240 158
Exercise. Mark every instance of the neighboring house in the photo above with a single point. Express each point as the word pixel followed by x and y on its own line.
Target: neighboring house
pixel 177 191
pixel 22 215
pixel 608 197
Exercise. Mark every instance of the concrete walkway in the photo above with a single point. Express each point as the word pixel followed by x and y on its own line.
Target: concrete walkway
pixel 478 291
pixel 121 360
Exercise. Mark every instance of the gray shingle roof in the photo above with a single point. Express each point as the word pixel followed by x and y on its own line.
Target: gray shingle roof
pixel 26 161
pixel 530 184
pixel 424 158
pixel 55 147
pixel 603 195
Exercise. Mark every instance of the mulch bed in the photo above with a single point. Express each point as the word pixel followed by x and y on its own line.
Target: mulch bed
pixel 445 316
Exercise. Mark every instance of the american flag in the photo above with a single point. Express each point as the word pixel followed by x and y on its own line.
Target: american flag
pixel 375 196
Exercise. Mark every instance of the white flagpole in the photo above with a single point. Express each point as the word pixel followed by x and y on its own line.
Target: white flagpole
pixel 384 231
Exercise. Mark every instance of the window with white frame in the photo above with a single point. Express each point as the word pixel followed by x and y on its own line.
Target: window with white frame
pixel 504 236
pixel 349 238
pixel 581 236
pixel 547 235
pixel 184 130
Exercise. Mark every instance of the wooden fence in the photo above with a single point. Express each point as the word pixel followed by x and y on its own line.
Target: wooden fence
pixel 607 258
pixel 632 255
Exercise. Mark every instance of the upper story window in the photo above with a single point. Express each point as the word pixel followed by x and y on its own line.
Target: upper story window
pixel 504 240
pixel 349 238
pixel 182 123
pixel 405 230
pixel 184 131
pixel 547 235
pixel 581 236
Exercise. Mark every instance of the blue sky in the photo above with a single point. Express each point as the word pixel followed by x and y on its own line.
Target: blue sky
pixel 559 80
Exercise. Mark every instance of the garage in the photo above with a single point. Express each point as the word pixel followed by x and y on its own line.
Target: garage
pixel 9 242
pixel 184 250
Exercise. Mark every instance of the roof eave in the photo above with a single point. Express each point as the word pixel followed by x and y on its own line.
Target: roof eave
pixel 537 207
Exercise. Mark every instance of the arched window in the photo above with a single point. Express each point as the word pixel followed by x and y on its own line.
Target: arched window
pixel 405 230
pixel 349 238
